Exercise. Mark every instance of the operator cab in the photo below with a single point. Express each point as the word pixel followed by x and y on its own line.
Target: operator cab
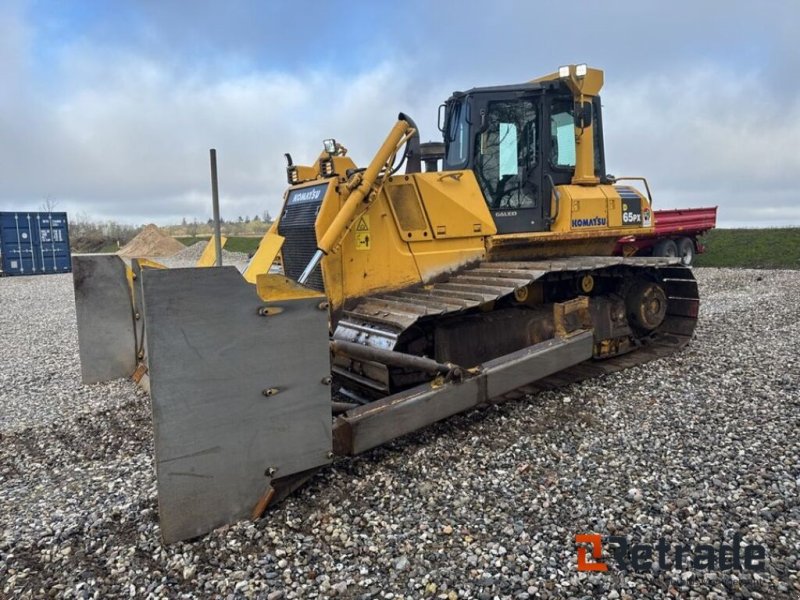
pixel 520 142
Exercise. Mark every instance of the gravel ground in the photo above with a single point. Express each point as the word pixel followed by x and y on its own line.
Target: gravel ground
pixel 189 255
pixel 692 448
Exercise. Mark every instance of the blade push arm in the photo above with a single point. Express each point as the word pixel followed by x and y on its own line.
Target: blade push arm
pixel 360 197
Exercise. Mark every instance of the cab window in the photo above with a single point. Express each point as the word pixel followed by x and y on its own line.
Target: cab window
pixel 505 154
pixel 562 135
pixel 456 139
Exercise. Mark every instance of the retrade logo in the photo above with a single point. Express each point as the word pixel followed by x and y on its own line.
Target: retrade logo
pixel 642 557
pixel 595 541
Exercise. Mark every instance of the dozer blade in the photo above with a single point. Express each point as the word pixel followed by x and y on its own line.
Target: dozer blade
pixel 106 339
pixel 240 394
pixel 209 256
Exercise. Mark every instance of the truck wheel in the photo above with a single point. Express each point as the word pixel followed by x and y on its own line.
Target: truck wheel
pixel 666 248
pixel 686 251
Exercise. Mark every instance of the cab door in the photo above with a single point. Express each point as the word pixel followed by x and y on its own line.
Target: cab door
pixel 507 160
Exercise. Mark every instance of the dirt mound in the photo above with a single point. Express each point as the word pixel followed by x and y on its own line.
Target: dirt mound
pixel 151 242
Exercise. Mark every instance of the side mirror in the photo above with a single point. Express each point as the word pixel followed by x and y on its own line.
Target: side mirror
pixel 441 122
pixel 584 115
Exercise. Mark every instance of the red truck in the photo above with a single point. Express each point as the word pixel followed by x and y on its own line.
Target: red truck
pixel 676 233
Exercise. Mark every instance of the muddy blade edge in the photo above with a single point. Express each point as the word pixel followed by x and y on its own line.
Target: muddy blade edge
pixel 238 399
pixel 106 340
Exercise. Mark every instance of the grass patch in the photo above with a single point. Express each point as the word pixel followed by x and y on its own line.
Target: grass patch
pixel 247 245
pixel 777 248
pixel 188 241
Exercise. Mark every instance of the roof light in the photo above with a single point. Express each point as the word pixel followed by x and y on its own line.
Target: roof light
pixel 581 70
pixel 563 72
pixel 330 146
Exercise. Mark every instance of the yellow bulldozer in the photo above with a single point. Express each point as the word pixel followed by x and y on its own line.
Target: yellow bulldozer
pixel 407 296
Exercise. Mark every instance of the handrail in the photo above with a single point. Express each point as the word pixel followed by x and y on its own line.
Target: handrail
pixel 642 179
pixel 554 191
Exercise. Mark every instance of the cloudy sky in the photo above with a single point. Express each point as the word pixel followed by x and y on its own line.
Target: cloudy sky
pixel 110 107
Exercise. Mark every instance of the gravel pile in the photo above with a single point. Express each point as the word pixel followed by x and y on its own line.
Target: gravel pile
pixel 693 448
pixel 40 375
pixel 189 256
pixel 151 241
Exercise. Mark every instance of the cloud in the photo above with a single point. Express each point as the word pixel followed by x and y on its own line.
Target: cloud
pixel 132 140
pixel 708 136
pixel 113 115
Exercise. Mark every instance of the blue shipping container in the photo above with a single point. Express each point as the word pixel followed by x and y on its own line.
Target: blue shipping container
pixel 34 243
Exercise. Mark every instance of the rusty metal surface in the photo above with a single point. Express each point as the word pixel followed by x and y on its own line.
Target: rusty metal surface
pixel 376 423
pixel 390 357
pixel 675 332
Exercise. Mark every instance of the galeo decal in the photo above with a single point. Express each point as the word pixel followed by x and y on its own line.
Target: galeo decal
pixel 593 222
pixel 309 194
pixel 506 213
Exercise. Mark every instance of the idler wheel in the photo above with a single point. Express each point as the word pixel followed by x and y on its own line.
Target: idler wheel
pixel 646 305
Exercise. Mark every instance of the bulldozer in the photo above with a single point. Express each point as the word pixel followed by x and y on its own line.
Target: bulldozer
pixel 406 296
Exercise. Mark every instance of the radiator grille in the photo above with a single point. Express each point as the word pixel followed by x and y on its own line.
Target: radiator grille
pixel 407 207
pixel 297 226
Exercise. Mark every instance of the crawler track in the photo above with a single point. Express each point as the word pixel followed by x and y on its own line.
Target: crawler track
pixel 384 320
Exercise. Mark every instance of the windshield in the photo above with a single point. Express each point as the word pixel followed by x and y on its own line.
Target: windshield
pixel 456 137
pixel 505 154
pixel 562 134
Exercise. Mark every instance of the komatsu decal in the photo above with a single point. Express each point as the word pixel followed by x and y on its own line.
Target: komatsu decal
pixel 309 194
pixel 593 222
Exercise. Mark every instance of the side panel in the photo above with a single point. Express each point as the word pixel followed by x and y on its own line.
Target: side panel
pixel 455 205
pixel 420 226
pixel 600 211
pixel 106 340
pixel 588 208
pixel 238 398
pixel 372 256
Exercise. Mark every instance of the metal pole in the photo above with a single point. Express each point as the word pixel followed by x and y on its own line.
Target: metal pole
pixel 215 203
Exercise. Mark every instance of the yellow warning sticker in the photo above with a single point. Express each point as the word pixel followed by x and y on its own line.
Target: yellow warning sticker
pixel 362 233
pixel 362 240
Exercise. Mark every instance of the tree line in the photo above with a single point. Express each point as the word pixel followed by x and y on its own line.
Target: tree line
pixel 97 235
